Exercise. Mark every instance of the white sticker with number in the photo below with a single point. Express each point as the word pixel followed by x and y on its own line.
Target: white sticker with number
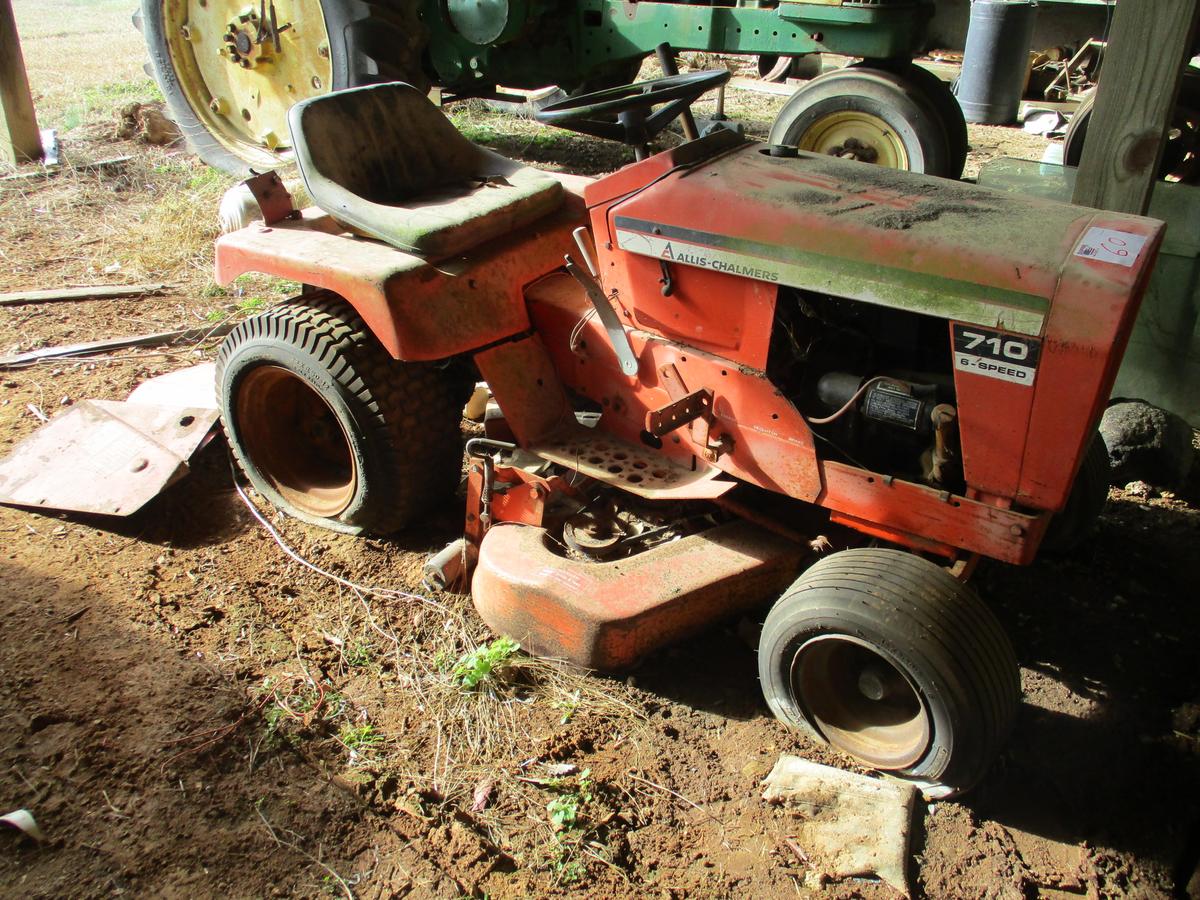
pixel 1111 246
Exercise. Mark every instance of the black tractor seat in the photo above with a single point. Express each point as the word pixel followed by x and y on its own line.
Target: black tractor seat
pixel 386 162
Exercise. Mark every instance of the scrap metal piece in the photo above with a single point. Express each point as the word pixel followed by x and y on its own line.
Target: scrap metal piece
pixel 194 386
pixel 104 456
pixel 663 421
pixel 96 292
pixel 848 825
pixel 107 344
pixel 272 197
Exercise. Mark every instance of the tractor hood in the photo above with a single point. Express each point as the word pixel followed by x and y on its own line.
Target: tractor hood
pixel 947 249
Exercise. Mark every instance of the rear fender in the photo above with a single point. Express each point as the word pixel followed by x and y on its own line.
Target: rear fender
pixel 419 310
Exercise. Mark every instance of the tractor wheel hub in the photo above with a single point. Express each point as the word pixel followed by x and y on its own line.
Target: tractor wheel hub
pixel 853 148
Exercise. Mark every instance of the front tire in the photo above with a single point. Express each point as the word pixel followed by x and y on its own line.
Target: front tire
pixel 866 114
pixel 1075 523
pixel 331 429
pixel 890 659
pixel 941 100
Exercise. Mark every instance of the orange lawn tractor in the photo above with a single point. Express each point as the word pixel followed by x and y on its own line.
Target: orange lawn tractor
pixel 726 374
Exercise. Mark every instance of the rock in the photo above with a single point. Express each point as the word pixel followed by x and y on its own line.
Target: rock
pixel 1146 443
pixel 147 122
pixel 1139 489
pixel 848 825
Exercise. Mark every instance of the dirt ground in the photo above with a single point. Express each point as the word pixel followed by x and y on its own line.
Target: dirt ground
pixel 190 711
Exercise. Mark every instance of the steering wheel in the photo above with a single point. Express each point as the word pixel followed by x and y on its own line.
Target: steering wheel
pixel 636 124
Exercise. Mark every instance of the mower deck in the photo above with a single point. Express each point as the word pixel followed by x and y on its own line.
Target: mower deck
pixel 610 615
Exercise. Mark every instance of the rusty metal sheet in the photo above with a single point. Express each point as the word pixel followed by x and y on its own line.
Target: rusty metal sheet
pixel 104 456
pixel 194 386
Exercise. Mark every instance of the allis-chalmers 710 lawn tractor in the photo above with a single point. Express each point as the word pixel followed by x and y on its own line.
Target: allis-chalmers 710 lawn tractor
pixel 728 373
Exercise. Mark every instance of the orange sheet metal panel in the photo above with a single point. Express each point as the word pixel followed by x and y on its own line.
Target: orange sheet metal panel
pixel 610 615
pixel 772 446
pixel 419 310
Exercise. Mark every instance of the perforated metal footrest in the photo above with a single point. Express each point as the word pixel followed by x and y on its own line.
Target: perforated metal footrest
pixel 633 468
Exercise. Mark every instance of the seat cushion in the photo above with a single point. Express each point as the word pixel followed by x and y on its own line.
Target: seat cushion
pixel 385 161
pixel 453 219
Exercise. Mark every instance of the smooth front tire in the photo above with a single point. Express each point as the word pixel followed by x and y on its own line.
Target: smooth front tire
pixel 866 114
pixel 331 429
pixel 890 659
pixel 1077 520
pixel 943 102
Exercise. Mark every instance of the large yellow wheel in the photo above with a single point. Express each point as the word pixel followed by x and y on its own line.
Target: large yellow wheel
pixel 231 69
pixel 867 115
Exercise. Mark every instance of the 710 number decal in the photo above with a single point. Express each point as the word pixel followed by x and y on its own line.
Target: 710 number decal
pixel 996 354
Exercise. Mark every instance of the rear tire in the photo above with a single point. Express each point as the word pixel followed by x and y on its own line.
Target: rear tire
pixel 368 42
pixel 1181 151
pixel 890 659
pixel 331 429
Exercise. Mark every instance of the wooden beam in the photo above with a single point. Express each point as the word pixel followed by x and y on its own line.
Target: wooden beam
pixel 1139 83
pixel 96 292
pixel 20 140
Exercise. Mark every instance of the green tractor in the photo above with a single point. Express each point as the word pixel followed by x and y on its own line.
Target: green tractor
pixel 231 69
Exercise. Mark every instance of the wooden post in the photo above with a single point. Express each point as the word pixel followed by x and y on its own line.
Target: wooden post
pixel 1139 84
pixel 20 140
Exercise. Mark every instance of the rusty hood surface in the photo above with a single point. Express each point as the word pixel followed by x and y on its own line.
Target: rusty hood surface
pixel 949 249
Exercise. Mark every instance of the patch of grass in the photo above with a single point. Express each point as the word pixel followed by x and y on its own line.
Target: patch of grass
pixel 358 655
pixel 245 307
pixel 104 100
pixel 480 665
pixel 206 177
pixel 360 739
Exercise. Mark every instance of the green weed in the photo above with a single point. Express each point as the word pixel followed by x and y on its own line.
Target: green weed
pixel 568 705
pixel 566 810
pixel 480 664
pixel 360 739
pixel 358 655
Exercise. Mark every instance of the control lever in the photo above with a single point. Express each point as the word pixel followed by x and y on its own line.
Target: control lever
pixel 607 315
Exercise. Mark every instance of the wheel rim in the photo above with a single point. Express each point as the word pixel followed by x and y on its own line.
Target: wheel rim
pixel 860 701
pixel 241 88
pixel 853 134
pixel 295 441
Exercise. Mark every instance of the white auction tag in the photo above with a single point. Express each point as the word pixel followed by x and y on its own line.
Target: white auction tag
pixel 1111 246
